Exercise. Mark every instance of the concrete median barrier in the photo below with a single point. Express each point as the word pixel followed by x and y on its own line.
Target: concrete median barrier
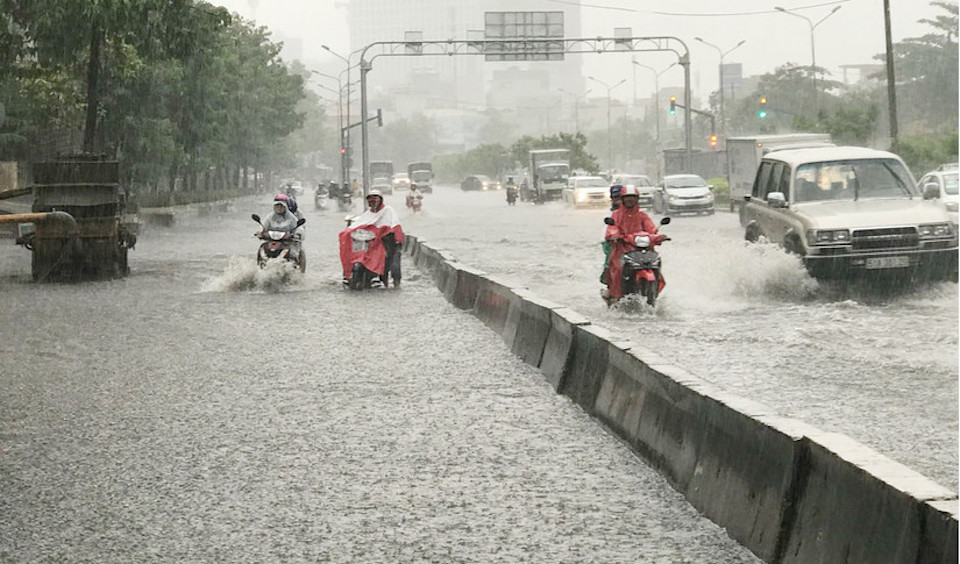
pixel 786 490
pixel 533 328
pixel 462 288
pixel 588 364
pixel 556 351
pixel 938 541
pixel 492 307
pixel 855 505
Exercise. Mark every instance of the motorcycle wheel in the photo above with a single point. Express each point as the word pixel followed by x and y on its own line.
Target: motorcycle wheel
pixel 261 262
pixel 648 290
pixel 302 262
pixel 357 277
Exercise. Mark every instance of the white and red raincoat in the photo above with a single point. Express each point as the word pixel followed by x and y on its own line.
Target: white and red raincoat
pixel 381 222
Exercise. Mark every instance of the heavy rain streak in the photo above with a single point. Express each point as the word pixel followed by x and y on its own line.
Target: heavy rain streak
pixel 215 348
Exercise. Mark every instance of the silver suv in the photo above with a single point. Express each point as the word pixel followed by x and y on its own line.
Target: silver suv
pixel 848 211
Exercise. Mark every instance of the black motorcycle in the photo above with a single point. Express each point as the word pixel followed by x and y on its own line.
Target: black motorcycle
pixel 512 195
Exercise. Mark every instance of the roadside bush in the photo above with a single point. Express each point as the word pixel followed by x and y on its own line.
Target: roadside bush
pixel 721 190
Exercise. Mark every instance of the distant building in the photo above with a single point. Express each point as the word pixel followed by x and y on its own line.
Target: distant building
pixel 464 84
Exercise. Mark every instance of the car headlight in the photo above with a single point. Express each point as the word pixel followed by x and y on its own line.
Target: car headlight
pixel 828 236
pixel 581 196
pixel 709 197
pixel 933 230
pixel 953 206
pixel 671 197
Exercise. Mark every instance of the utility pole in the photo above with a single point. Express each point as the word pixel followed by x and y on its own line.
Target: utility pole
pixel 891 76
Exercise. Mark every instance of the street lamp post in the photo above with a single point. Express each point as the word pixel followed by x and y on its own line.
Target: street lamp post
pixel 656 93
pixel 723 115
pixel 339 115
pixel 576 105
pixel 344 136
pixel 609 126
pixel 813 49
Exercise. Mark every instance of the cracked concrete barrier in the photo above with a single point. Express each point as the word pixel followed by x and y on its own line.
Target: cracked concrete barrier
pixel 557 350
pixel 856 505
pixel 533 328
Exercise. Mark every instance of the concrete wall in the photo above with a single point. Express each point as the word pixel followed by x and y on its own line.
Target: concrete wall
pixel 788 491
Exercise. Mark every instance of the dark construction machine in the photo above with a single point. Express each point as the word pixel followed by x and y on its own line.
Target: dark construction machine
pixel 78 228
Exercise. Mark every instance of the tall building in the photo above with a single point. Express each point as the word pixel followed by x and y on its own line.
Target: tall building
pixel 459 84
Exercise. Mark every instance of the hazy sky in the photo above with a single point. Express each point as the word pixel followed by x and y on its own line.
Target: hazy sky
pixel 850 36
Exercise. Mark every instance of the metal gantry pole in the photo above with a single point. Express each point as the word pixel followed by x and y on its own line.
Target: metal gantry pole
pixel 687 123
pixel 364 69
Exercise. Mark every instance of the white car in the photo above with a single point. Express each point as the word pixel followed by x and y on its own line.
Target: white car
pixel 941 185
pixel 586 191
pixel 383 184
pixel 683 193
pixel 644 186
pixel 401 181
pixel 848 212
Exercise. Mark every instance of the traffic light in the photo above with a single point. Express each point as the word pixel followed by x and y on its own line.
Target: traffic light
pixel 762 112
pixel 673 106
pixel 713 140
pixel 343 151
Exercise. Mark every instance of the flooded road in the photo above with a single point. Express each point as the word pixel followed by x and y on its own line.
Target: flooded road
pixel 201 410
pixel 879 367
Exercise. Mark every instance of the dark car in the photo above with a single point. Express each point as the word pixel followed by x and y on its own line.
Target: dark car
pixel 478 182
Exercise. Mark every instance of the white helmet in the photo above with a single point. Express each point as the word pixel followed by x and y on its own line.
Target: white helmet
pixel 373 193
pixel 629 190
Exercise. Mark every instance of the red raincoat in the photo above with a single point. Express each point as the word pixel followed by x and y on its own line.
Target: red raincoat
pixel 382 222
pixel 626 221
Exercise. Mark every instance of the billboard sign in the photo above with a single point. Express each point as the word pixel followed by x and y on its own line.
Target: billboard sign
pixel 524 36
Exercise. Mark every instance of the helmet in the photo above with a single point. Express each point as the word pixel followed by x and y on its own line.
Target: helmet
pixel 629 191
pixel 615 190
pixel 376 193
pixel 280 198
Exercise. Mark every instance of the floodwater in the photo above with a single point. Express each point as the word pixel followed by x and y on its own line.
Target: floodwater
pixel 879 366
pixel 202 410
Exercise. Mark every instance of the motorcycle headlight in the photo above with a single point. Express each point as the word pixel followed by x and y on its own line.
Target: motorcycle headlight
pixel 642 241
pixel 934 230
pixel 828 236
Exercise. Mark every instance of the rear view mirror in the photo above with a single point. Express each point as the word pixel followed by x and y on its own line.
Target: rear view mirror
pixel 608 220
pixel 931 191
pixel 776 200
pixel 301 221
pixel 665 220
pixel 256 218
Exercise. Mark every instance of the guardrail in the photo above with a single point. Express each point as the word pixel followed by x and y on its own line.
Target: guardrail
pixel 789 492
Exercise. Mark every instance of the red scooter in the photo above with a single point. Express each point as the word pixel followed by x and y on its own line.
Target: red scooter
pixel 641 264
pixel 362 255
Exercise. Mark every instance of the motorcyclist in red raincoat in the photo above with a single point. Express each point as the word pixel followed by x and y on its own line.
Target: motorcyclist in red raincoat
pixel 628 219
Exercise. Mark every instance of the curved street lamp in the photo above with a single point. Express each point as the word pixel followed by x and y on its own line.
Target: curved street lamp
pixel 723 125
pixel 609 128
pixel 813 49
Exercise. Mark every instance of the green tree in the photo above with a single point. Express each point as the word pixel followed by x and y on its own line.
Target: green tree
pixel 927 74
pixel 575 142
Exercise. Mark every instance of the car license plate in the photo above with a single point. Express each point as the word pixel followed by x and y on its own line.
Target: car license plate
pixel 887 262
pixel 360 246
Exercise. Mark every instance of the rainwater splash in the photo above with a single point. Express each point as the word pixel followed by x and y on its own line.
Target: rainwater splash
pixel 243 275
